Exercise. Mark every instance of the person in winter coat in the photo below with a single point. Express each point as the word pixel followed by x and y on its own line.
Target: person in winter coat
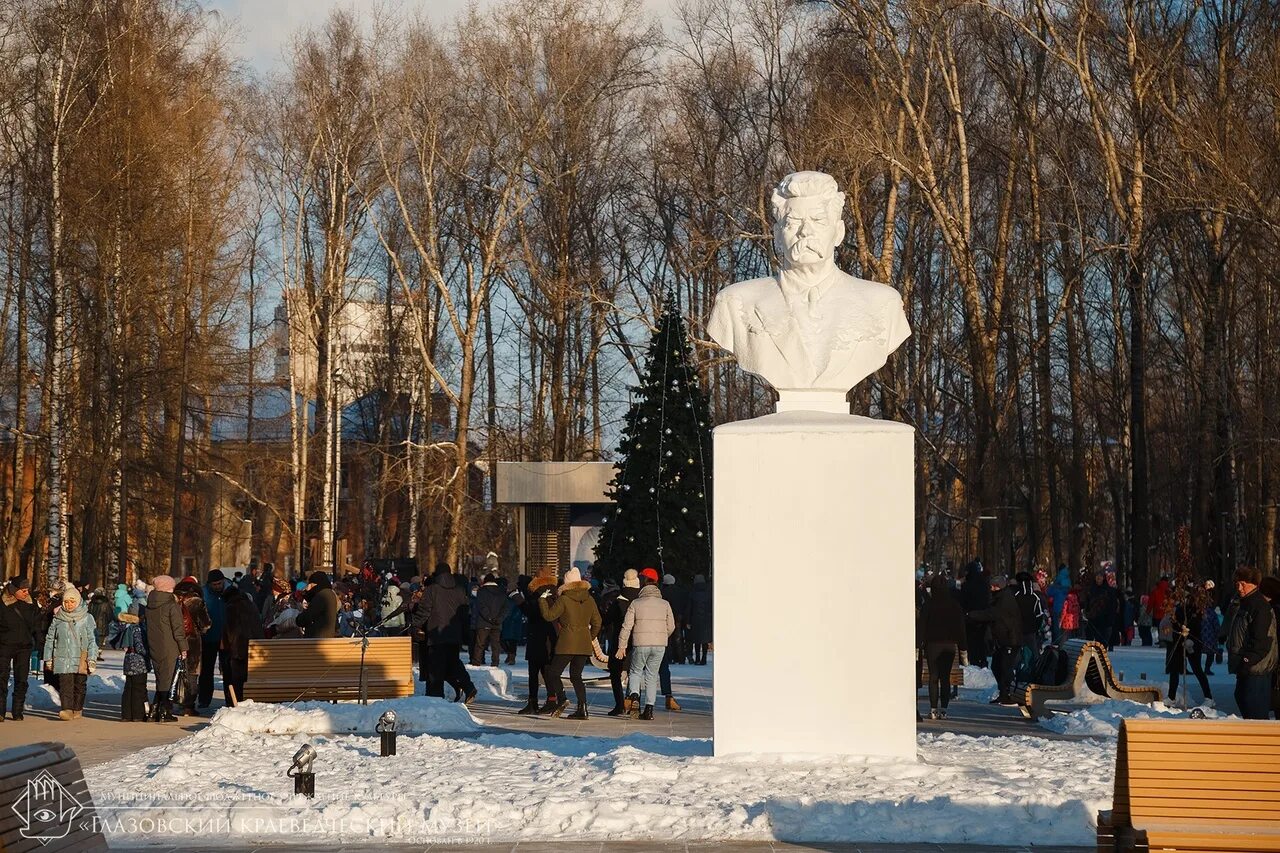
pixel 242 625
pixel 491 609
pixel 442 618
pixel 1158 600
pixel 1270 587
pixel 1005 620
pixel 195 622
pixel 100 609
pixel 393 611
pixel 1100 610
pixel 577 620
pixel 1210 626
pixel 166 643
pixel 211 641
pixel 700 619
pixel 539 646
pixel 121 601
pixel 265 592
pixel 1033 616
pixel 513 624
pixel 1251 646
pixel 615 613
pixel 1057 595
pixel 975 594
pixel 71 651
pixel 320 619
pixel 679 599
pixel 133 701
pixel 1185 652
pixel 18 618
pixel 940 632
pixel 646 629
pixel 1144 620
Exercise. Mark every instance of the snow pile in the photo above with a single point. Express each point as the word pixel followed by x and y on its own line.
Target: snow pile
pixel 500 786
pixel 105 687
pixel 1102 719
pixel 494 684
pixel 414 715
pixel 979 684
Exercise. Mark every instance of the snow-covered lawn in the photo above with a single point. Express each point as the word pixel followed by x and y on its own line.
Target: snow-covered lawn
pixel 224 782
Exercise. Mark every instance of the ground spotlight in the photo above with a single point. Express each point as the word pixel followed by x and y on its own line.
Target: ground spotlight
pixel 304 781
pixel 387 728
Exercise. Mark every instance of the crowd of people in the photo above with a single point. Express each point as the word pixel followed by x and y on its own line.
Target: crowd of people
pixel 1017 627
pixel 183 632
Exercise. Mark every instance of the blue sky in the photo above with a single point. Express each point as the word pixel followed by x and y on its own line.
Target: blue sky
pixel 266 25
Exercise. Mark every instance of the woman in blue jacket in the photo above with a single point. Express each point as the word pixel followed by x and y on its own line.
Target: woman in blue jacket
pixel 71 652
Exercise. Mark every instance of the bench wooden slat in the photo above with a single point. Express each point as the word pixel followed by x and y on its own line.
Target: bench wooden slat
pixel 289 670
pixel 1196 785
pixel 20 764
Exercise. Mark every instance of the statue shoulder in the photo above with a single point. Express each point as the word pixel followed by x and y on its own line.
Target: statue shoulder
pixel 749 290
pixel 876 292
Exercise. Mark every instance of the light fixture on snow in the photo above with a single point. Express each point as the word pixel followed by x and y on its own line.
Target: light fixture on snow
pixel 304 781
pixel 387 728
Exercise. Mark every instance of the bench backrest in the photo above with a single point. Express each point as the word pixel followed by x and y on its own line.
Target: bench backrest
pixel 26 764
pixel 315 668
pixel 1201 772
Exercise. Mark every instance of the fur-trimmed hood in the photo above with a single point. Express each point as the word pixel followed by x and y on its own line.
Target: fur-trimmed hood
pixel 540 583
pixel 572 585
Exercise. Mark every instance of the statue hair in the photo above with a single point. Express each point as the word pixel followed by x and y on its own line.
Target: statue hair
pixel 808 185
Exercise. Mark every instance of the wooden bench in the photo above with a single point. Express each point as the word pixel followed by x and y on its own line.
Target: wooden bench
pixel 1089 676
pixel 49 773
pixel 957 671
pixel 328 670
pixel 1195 785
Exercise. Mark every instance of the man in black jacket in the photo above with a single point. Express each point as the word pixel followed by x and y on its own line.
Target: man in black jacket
pixel 1005 620
pixel 18 620
pixel 1251 646
pixel 615 612
pixel 492 606
pixel 443 618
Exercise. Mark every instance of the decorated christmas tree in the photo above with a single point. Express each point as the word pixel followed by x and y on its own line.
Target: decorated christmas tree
pixel 662 493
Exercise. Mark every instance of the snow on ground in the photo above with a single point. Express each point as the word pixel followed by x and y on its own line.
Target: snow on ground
pixel 497 683
pixel 1103 718
pixel 99 687
pixel 414 715
pixel 502 786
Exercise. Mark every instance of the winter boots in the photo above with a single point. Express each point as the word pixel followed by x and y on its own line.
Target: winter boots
pixel 558 708
pixel 672 704
pixel 552 701
pixel 647 713
pixel 531 707
pixel 580 714
pixel 618 711
pixel 632 704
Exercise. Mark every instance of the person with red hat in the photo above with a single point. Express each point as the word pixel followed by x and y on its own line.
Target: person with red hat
pixel 647 627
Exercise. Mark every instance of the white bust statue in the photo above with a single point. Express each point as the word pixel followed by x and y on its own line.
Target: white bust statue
pixel 812 331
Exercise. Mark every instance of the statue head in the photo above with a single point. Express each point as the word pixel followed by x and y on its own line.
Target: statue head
pixel 808 223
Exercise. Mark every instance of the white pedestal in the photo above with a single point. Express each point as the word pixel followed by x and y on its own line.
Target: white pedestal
pixel 814 580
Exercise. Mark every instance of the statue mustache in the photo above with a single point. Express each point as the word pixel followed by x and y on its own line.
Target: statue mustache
pixel 810 244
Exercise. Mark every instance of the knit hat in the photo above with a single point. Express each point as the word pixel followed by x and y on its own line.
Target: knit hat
pixel 163 583
pixel 631 579
pixel 71 598
pixel 651 574
pixel 572 575
pixel 668 580
pixel 699 578
pixel 1000 581
pixel 19 582
pixel 216 575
